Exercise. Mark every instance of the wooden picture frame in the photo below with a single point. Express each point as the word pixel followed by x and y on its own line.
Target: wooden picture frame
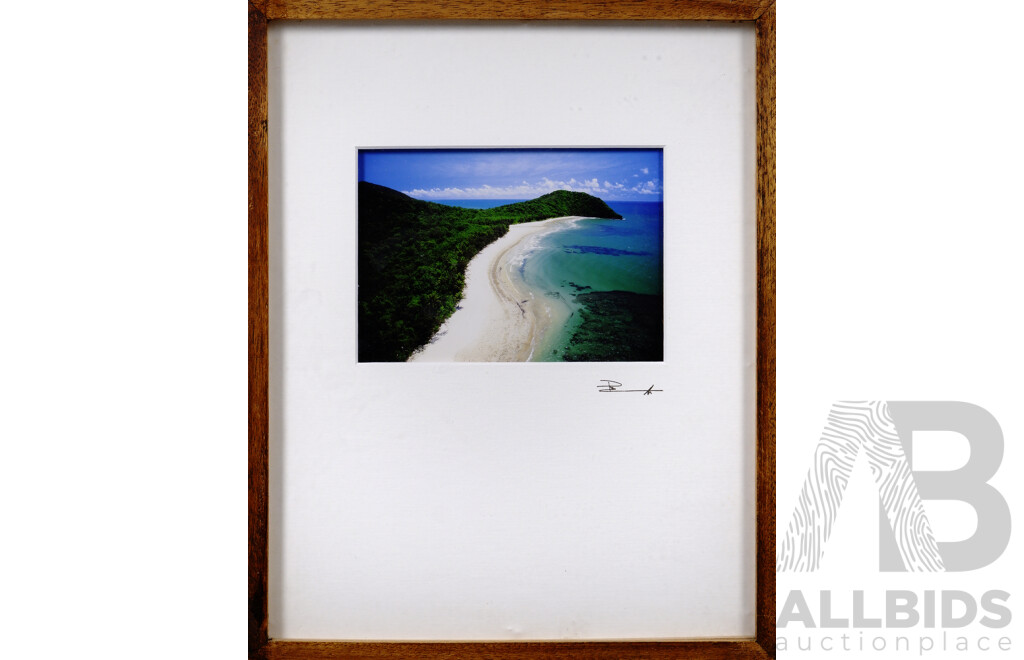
pixel 759 12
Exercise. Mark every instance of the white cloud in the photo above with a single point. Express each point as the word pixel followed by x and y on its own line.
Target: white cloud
pixel 527 190
pixel 645 170
pixel 647 188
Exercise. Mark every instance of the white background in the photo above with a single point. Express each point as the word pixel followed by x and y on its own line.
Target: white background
pixel 899 263
pixel 123 275
pixel 501 501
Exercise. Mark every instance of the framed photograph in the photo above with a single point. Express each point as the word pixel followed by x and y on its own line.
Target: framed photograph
pixel 511 329
pixel 484 265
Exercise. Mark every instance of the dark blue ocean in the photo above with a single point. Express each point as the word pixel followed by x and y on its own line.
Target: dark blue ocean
pixel 604 255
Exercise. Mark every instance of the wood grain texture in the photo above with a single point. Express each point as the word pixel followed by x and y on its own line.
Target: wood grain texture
pixel 765 569
pixel 763 11
pixel 712 10
pixel 697 650
pixel 258 329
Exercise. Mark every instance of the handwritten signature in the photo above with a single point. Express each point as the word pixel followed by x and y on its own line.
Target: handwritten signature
pixel 616 386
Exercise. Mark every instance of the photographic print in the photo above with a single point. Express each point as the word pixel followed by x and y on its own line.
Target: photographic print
pixel 510 255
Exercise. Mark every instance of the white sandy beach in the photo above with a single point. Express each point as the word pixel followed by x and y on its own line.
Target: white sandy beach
pixel 498 319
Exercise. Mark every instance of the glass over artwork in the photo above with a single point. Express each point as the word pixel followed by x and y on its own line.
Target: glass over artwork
pixel 510 255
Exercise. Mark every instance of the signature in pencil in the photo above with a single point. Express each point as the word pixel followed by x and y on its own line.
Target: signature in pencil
pixel 616 386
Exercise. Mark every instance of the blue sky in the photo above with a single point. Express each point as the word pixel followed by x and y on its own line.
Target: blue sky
pixel 439 174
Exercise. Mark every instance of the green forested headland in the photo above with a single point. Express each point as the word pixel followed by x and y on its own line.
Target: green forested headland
pixel 413 257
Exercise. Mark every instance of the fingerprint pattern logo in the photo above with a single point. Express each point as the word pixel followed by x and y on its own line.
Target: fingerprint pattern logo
pixel 853 426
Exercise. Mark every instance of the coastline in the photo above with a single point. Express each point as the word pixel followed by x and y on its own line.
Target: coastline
pixel 498 319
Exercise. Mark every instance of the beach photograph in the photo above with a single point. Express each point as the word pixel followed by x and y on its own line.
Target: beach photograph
pixel 510 255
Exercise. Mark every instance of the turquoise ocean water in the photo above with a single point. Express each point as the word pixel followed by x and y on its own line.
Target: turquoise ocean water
pixel 602 282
